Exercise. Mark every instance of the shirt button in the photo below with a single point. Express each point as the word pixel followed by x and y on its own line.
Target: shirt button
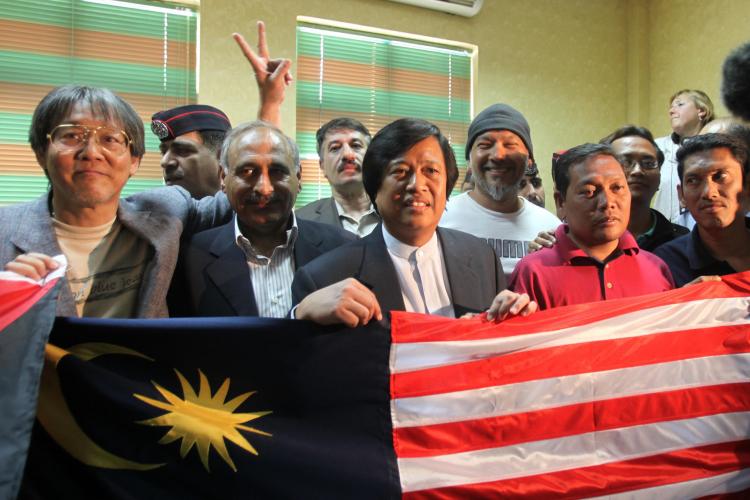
pixel 606 266
pixel 609 285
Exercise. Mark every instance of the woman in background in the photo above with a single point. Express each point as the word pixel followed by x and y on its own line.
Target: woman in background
pixel 689 111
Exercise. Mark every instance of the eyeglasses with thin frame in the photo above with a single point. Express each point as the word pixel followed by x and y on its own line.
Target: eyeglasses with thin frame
pixel 628 162
pixel 71 136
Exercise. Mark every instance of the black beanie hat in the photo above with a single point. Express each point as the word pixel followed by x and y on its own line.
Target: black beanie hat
pixel 500 117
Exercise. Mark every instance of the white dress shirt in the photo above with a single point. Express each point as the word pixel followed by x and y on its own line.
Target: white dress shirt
pixel 271 277
pixel 421 275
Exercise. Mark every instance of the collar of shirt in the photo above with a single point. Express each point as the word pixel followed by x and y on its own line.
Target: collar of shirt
pixel 343 213
pixel 431 249
pixel 698 255
pixel 568 250
pixel 362 226
pixel 247 247
pixel 422 275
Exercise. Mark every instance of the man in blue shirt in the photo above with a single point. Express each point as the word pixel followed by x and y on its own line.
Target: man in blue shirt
pixel 713 170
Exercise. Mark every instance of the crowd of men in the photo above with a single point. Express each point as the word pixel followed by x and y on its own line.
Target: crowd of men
pixel 222 238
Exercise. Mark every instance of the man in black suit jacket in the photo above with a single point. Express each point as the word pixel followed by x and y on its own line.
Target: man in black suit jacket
pixel 404 264
pixel 246 267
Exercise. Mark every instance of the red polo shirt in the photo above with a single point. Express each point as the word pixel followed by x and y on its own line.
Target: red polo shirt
pixel 564 274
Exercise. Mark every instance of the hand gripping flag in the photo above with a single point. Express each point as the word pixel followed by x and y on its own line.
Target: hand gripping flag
pixel 640 398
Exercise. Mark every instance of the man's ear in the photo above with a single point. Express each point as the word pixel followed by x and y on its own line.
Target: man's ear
pixel 560 205
pixel 299 179
pixel 222 176
pixel 135 162
pixel 41 159
pixel 681 196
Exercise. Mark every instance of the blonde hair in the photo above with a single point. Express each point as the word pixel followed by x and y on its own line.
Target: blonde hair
pixel 701 101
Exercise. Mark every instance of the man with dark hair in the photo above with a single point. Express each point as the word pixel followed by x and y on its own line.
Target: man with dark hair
pixel 595 258
pixel 735 83
pixel 642 160
pixel 407 262
pixel 531 186
pixel 246 267
pixel 713 170
pixel 120 253
pixel 191 138
pixel 341 144
pixel 499 150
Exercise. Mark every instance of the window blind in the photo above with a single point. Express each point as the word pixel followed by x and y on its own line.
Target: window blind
pixel 375 80
pixel 144 51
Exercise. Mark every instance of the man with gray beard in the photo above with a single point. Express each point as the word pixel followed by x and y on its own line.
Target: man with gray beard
pixel 499 150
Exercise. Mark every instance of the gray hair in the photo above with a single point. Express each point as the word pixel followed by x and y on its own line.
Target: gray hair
pixel 240 130
pixel 105 104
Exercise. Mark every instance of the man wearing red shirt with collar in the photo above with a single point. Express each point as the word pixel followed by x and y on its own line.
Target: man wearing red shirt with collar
pixel 595 258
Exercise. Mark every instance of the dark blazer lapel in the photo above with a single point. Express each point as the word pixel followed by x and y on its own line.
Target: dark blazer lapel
pixel 465 295
pixel 329 214
pixel 230 275
pixel 307 246
pixel 378 273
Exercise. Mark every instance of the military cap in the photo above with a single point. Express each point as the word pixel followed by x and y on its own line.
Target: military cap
pixel 168 124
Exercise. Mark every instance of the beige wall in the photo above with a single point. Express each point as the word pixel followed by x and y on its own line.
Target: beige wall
pixel 576 68
pixel 689 41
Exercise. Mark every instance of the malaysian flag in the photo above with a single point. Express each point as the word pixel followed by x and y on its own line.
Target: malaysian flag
pixel 646 397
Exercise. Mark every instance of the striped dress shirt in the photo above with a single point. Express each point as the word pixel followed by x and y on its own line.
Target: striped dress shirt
pixel 271 277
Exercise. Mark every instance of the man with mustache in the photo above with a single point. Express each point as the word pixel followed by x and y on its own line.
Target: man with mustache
pixel 191 138
pixel 245 267
pixel 713 172
pixel 499 150
pixel 341 144
pixel 595 258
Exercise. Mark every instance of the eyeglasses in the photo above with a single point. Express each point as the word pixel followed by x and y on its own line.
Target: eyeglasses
pixel 628 162
pixel 70 136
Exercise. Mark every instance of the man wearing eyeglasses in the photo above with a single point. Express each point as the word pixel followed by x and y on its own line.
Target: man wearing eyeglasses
pixel 642 160
pixel 120 253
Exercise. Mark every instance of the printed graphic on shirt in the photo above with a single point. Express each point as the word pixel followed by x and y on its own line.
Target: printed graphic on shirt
pixel 107 285
pixel 509 249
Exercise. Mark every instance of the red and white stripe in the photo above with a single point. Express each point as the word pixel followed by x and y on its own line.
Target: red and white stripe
pixel 646 397
pixel 18 294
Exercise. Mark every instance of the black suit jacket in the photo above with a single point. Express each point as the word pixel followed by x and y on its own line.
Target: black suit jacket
pixel 213 277
pixel 474 275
